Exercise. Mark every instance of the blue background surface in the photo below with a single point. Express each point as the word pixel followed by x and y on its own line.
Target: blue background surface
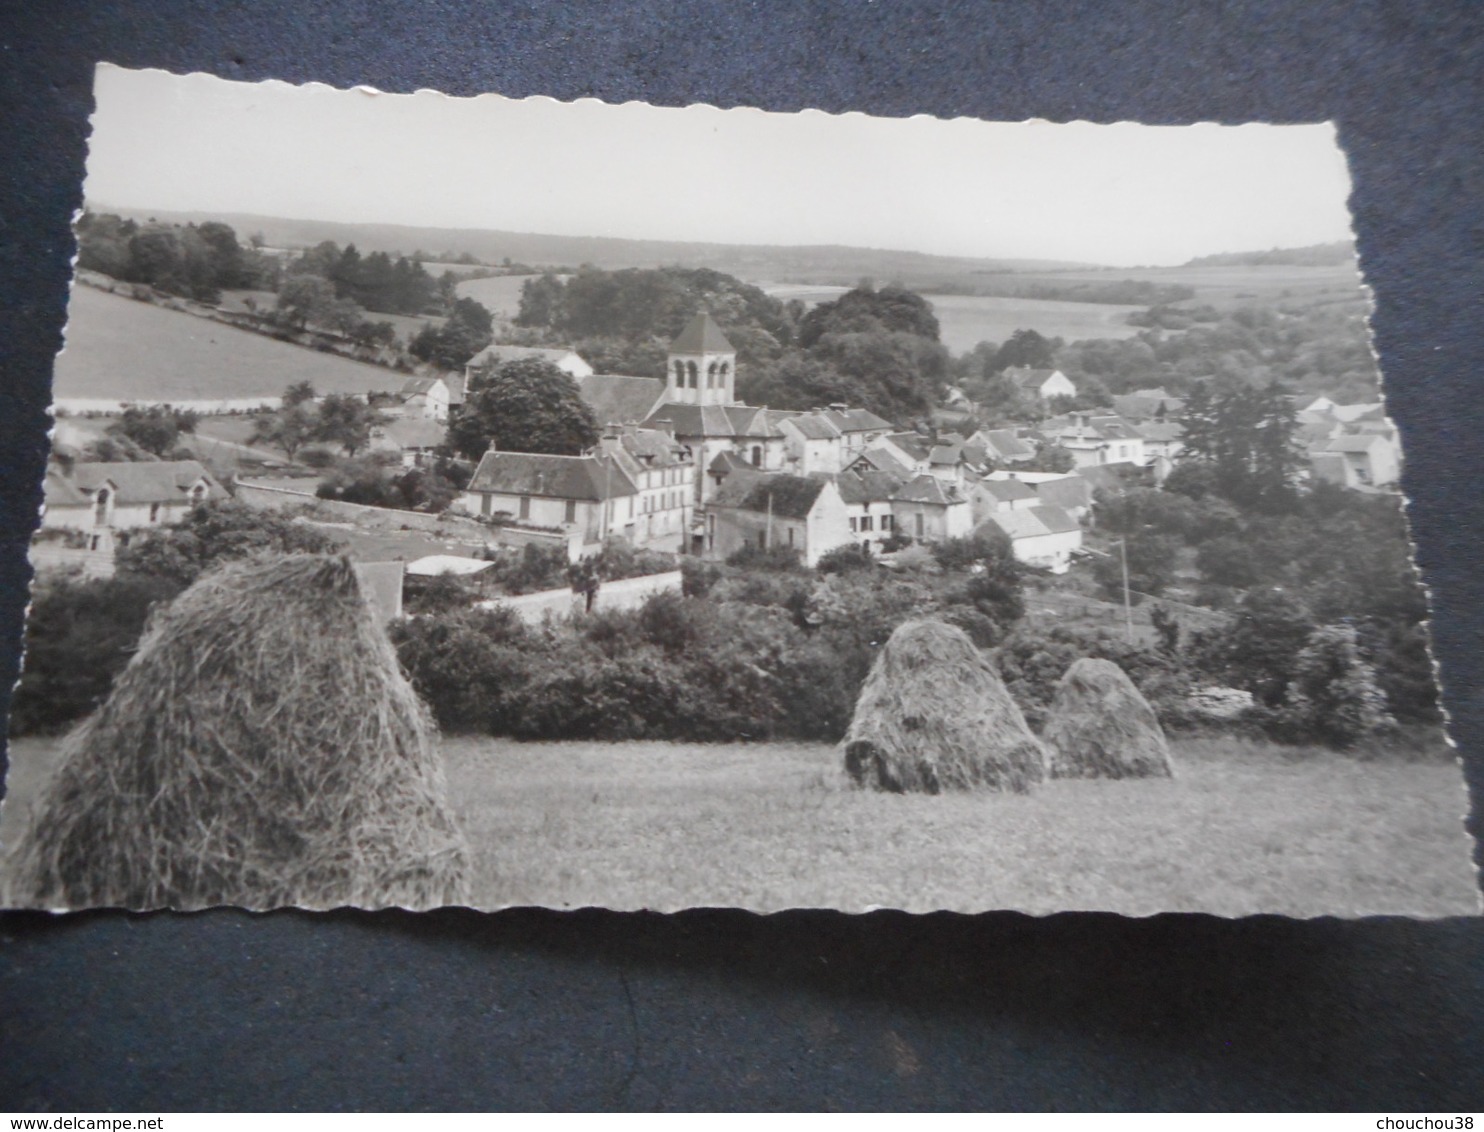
pixel 532 1009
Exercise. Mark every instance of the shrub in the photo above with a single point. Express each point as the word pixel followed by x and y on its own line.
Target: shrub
pixel 845 558
pixel 1333 695
pixel 781 559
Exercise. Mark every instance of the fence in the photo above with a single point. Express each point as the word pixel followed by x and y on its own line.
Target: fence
pixel 626 593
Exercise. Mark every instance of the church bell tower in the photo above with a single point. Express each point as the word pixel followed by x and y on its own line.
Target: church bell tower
pixel 702 367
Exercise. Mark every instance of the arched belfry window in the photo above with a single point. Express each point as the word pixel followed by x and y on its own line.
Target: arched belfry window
pixel 690 368
pixel 100 508
pixel 679 374
pixel 711 376
pixel 726 368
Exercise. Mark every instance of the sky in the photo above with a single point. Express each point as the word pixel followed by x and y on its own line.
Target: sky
pixel 1122 195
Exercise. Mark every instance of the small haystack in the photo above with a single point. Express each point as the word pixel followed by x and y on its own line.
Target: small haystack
pixel 934 715
pixel 1101 726
pixel 262 749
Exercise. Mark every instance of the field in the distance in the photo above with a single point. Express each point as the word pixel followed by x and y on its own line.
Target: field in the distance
pixel 118 349
pixel 1243 829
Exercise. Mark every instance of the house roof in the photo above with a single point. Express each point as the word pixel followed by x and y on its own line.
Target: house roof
pixel 552 477
pixel 814 426
pixel 1032 522
pixel 62 492
pixel 788 497
pixel 497 354
pixel 1162 432
pixel 946 455
pixel 1110 477
pixel 1027 378
pixel 728 462
pixel 415 386
pixel 881 460
pixel 1004 444
pixel 926 489
pixel 867 487
pixel 619 399
pixel 1065 491
pixel 856 420
pixel 1361 443
pixel 1007 491
pixel 414 432
pixel 702 336
pixel 653 448
pixel 1146 404
pixel 159 481
pixel 713 420
pixel 914 444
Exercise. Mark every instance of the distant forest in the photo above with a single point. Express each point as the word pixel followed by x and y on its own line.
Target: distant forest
pixel 1316 255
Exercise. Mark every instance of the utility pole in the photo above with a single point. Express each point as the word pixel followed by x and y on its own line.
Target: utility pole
pixel 1128 607
pixel 768 534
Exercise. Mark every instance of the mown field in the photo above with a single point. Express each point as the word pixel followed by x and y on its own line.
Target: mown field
pixel 1242 829
pixel 120 349
pixel 500 294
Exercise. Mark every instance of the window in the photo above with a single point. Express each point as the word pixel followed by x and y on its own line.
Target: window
pixel 790 536
pixel 525 506
pixel 679 374
pixel 570 515
pixel 867 523
pixel 484 505
pixel 757 455
pixel 711 376
pixel 154 512
pixel 100 508
pixel 886 522
pixel 690 369
pixel 919 524
pixel 854 524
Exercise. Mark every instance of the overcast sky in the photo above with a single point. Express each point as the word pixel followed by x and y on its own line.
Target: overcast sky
pixel 1122 194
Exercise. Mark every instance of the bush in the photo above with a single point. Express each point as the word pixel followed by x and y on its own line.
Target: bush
pixel 79 636
pixel 780 559
pixel 1333 696
pixel 845 558
pixel 698 576
pixel 468 666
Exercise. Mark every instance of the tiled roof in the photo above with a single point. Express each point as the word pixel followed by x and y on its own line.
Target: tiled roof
pixel 926 489
pixel 62 492
pixel 1027 378
pixel 1363 443
pixel 1004 444
pixel 701 336
pixel 1162 431
pixel 856 420
pixel 553 477
pixel 497 354
pixel 1065 491
pixel 881 460
pixel 867 487
pixel 619 399
pixel 1007 491
pixel 814 426
pixel 945 454
pixel 1110 477
pixel 414 432
pixel 914 444
pixel 788 497
pixel 416 386
pixel 161 481
pixel 1032 522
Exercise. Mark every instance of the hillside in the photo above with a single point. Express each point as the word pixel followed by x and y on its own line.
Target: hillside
pixel 1314 255
pixel 118 349
pixel 822 264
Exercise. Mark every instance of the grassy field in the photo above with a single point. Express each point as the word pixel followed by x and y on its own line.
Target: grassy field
pixel 119 349
pixel 500 294
pixel 1242 829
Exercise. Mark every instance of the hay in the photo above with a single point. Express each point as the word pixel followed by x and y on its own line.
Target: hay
pixel 1101 726
pixel 261 749
pixel 934 715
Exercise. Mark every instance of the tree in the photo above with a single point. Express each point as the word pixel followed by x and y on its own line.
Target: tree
pixel 1025 348
pixel 306 298
pixel 1333 694
pixel 346 420
pixel 1151 566
pixel 892 310
pixel 1258 652
pixel 541 301
pixel 289 429
pixel 527 405
pixel 156 429
pixel 468 330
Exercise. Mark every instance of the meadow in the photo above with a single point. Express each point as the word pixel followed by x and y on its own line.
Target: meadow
pixel 500 294
pixel 1243 828
pixel 118 349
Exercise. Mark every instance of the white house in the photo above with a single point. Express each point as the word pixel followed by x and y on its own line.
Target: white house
pixel 867 495
pixel 989 496
pixel 1041 384
pixel 1039 536
pixel 1362 460
pixel 811 443
pixel 589 495
pixel 1092 440
pixel 929 510
pixel 663 470
pixel 497 354
pixel 432 397
pixel 777 510
pixel 858 428
pixel 125 496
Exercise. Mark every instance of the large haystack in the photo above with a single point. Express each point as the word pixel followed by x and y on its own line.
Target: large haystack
pixel 261 749
pixel 934 715
pixel 1101 726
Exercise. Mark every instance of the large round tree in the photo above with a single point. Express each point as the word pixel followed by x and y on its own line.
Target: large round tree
pixel 528 405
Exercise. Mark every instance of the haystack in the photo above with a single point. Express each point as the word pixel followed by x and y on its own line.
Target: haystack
pixel 934 715
pixel 261 749
pixel 1101 726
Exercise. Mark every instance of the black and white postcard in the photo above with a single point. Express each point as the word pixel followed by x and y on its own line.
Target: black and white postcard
pixel 502 502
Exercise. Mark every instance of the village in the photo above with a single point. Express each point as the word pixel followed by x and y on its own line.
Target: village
pixel 684 467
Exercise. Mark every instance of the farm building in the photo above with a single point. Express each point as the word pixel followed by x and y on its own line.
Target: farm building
pixel 124 496
pixel 778 510
pixel 1039 536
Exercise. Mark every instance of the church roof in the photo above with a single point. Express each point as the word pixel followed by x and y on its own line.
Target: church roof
pixel 701 336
